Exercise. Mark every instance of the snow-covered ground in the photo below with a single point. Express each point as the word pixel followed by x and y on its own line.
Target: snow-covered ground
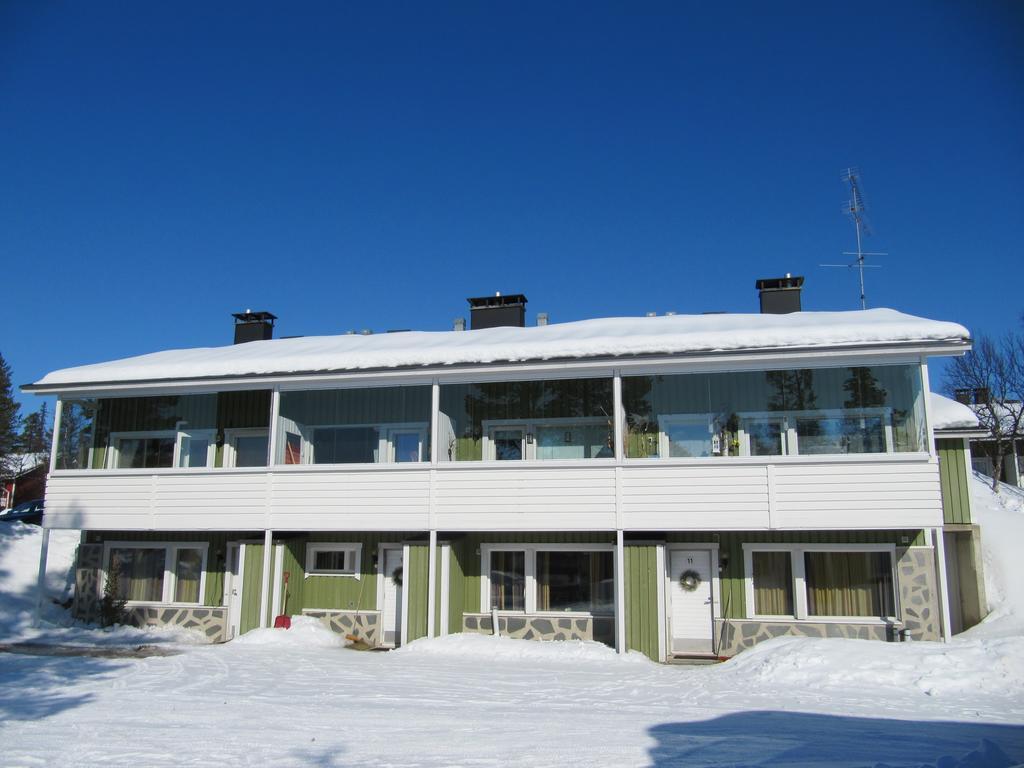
pixel 298 698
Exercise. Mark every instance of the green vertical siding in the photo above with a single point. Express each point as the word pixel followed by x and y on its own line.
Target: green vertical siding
pixel 252 585
pixel 291 601
pixel 954 477
pixel 641 587
pixel 438 586
pixel 466 551
pixel 343 593
pixel 414 590
pixel 456 587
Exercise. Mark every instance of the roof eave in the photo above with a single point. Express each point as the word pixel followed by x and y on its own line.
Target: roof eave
pixel 954 432
pixel 936 348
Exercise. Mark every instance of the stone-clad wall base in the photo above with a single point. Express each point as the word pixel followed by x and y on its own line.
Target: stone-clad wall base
pixel 211 622
pixel 365 626
pixel 601 628
pixel 919 599
pixel 919 612
pixel 739 634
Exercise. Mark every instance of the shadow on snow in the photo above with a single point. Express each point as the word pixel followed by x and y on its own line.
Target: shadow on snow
pixel 34 687
pixel 801 739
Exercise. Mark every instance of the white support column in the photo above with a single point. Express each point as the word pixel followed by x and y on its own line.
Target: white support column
pixel 618 415
pixel 662 618
pixel 446 571
pixel 435 407
pixel 403 637
pixel 943 587
pixel 58 414
pixel 620 592
pixel 268 543
pixel 431 582
pixel 272 437
pixel 44 549
pixel 929 435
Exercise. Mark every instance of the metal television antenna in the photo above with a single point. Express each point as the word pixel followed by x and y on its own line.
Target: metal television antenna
pixel 856 210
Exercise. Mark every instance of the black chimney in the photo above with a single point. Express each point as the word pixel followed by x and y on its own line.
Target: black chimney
pixel 253 326
pixel 497 311
pixel 780 295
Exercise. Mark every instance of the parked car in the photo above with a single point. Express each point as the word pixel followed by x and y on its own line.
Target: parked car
pixel 26 512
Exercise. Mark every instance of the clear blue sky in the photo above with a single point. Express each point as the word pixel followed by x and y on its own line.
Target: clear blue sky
pixel 370 166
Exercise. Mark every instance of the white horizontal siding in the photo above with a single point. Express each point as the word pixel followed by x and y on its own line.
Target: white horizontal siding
pixel 346 500
pixel 210 501
pixel 889 494
pixel 99 501
pixel 654 497
pixel 525 498
pixel 709 496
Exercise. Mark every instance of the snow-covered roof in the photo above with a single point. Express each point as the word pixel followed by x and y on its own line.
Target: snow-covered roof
pixel 1006 412
pixel 606 337
pixel 949 414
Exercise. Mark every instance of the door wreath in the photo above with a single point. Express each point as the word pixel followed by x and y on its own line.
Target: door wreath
pixel 396 576
pixel 689 580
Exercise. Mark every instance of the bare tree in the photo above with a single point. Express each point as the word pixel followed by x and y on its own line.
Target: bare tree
pixel 993 372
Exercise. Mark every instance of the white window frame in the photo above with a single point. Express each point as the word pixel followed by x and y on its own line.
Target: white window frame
pixel 787 434
pixel 787 421
pixel 796 555
pixel 530 427
pixel 309 452
pixel 666 420
pixel 179 435
pixel 530 569
pixel 387 440
pixel 353 558
pixel 230 455
pixel 184 433
pixel 114 452
pixel 170 560
pixel 489 426
pixel 385 446
pixel 885 412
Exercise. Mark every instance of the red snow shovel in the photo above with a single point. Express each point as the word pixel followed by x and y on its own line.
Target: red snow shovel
pixel 284 621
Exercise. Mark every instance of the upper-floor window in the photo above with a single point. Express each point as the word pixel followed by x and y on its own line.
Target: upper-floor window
pixel 371 425
pixel 246 447
pixel 219 429
pixel 864 409
pixel 517 420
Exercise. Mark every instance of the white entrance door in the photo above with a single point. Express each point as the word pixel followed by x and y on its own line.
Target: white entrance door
pixel 233 587
pixel 392 579
pixel 691 616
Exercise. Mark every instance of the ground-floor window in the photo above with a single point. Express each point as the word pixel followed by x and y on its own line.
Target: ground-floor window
pixel 549 578
pixel 773 583
pixel 849 584
pixel 157 572
pixel 820 581
pixel 333 559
